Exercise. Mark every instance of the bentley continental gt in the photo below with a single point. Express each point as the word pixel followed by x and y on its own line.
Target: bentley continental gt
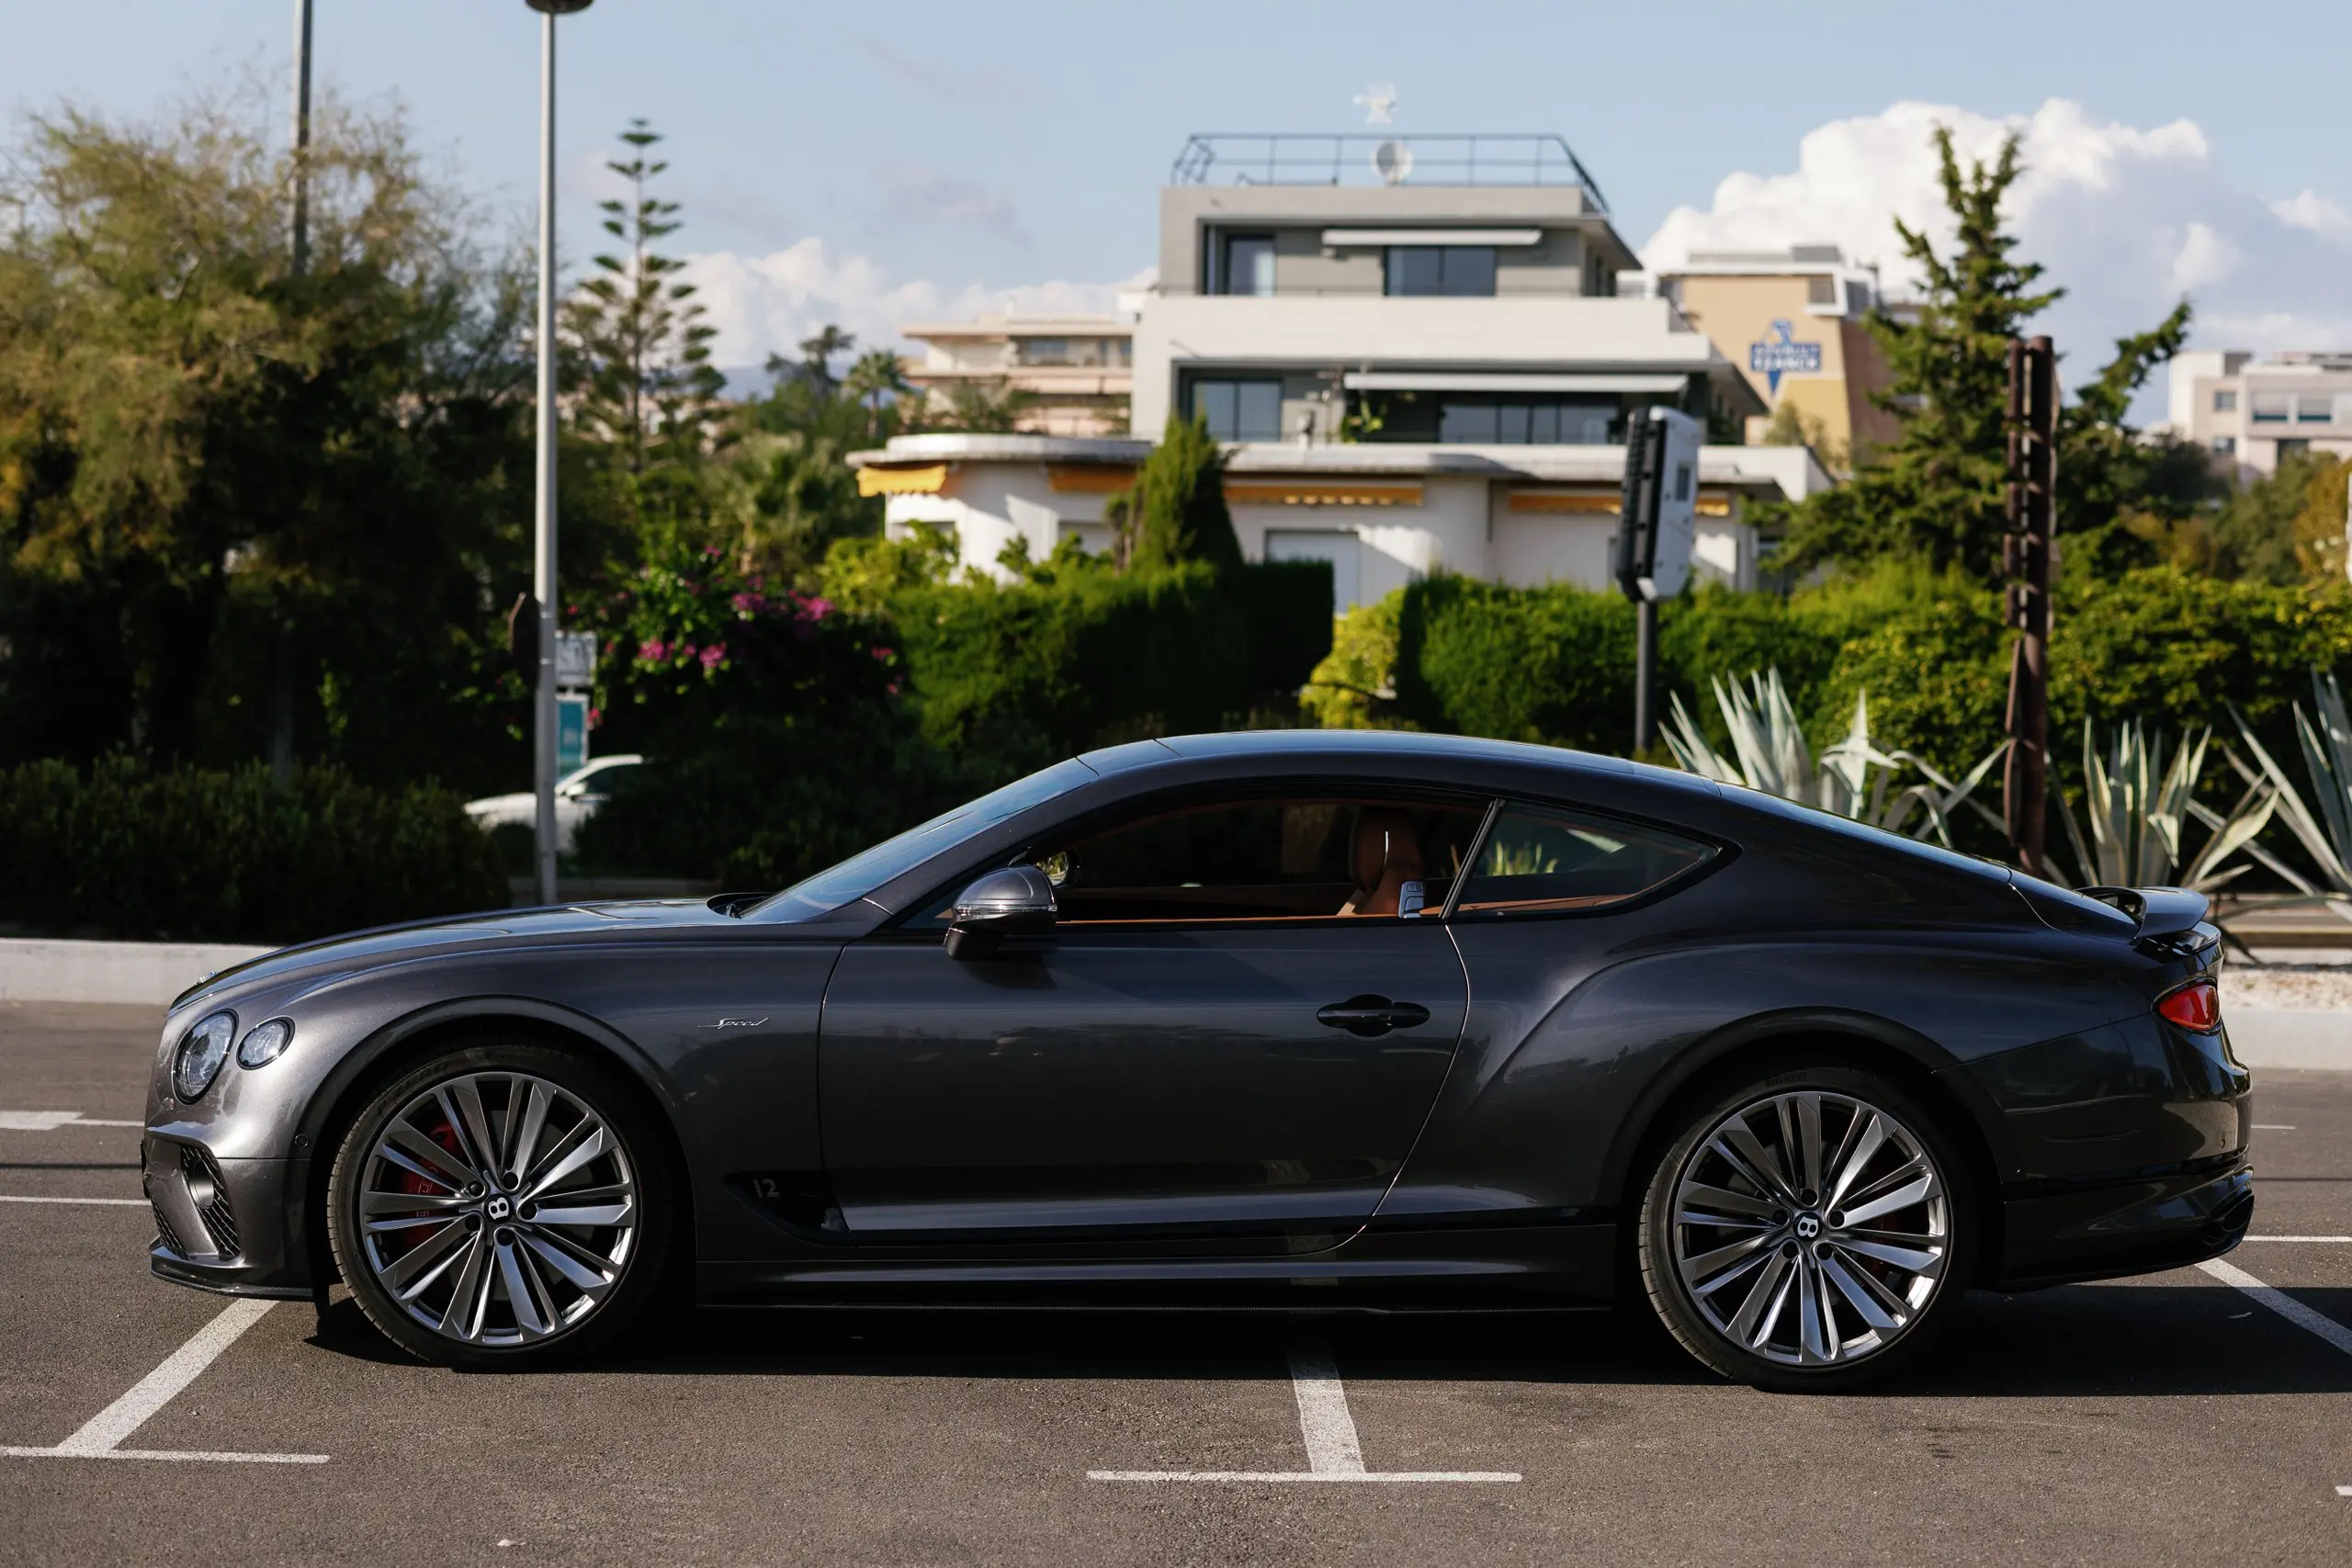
pixel 1318 1020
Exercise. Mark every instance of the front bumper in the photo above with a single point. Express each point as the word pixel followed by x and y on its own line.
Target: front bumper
pixel 222 1224
pixel 2149 1222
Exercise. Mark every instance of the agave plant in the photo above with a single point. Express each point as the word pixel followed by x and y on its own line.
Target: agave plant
pixel 2138 805
pixel 1854 778
pixel 2325 834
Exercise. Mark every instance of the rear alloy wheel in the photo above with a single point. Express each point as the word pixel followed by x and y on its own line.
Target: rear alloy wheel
pixel 496 1206
pixel 1806 1231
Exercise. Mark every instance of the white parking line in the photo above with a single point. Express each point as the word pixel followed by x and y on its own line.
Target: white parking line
pixel 101 1436
pixel 2299 1238
pixel 1333 1451
pixel 2282 1304
pixel 2274 1126
pixel 50 1121
pixel 16 1198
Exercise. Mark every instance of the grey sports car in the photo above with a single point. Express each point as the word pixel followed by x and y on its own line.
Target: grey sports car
pixel 1310 1019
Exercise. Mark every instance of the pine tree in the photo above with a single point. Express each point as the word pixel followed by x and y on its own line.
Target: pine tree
pixel 647 390
pixel 1936 494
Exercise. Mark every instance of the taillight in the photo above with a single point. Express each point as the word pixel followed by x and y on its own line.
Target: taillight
pixel 2196 1007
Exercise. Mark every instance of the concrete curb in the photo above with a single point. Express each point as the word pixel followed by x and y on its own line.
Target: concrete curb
pixel 2290 1037
pixel 46 970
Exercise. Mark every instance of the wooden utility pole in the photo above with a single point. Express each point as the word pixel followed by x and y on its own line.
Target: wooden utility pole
pixel 2026 550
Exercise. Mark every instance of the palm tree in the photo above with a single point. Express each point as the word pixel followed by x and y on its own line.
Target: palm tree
pixel 878 372
pixel 818 351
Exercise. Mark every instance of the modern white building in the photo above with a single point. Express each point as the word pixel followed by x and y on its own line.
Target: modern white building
pixel 2252 409
pixel 1073 373
pixel 1417 353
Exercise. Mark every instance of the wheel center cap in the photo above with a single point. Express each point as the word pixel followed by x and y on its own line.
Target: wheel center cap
pixel 1808 1225
pixel 498 1208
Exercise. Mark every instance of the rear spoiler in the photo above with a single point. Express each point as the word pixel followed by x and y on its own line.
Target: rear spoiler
pixel 2158 911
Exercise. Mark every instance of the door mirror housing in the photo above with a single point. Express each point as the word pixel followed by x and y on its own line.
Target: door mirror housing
pixel 1015 901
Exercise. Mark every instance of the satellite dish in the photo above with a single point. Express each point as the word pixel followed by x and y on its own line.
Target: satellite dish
pixel 1392 161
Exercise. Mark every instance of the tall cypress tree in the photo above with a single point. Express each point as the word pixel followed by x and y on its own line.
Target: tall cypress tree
pixel 1936 494
pixel 1176 512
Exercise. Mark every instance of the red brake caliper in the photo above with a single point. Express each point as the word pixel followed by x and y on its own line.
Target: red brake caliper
pixel 410 1183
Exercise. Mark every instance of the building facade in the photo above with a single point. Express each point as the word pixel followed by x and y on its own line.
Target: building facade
pixel 1417 353
pixel 2249 410
pixel 1792 322
pixel 1072 375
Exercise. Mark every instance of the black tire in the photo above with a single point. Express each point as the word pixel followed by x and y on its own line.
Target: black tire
pixel 492 1213
pixel 1701 1278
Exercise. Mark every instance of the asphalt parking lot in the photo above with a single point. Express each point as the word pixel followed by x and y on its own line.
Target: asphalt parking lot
pixel 2189 1416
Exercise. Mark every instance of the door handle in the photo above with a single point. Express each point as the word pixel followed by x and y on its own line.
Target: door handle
pixel 1369 1016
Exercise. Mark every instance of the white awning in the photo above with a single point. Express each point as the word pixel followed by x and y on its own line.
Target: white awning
pixel 1342 239
pixel 1480 381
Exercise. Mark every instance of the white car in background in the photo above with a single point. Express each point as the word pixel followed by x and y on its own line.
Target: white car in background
pixel 577 795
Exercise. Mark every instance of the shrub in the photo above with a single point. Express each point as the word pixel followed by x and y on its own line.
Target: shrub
pixel 2169 649
pixel 1553 664
pixel 122 851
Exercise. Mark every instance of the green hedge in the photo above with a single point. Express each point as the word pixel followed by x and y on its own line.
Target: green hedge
pixel 123 851
pixel 1009 677
pixel 2172 648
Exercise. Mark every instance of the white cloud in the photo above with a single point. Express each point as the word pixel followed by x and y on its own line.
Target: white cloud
pixel 767 304
pixel 2125 220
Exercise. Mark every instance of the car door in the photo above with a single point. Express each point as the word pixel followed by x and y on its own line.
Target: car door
pixel 1235 1030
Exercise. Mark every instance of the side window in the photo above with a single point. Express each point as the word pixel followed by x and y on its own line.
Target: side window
pixel 1540 860
pixel 1299 858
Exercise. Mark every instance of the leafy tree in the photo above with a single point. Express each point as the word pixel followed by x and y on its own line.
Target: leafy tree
pixel 1936 492
pixel 2281 528
pixel 195 445
pixel 1176 512
pixel 647 394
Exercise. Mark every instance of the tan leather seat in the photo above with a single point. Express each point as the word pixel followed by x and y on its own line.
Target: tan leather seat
pixel 1387 855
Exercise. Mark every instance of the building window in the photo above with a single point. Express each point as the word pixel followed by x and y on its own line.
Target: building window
pixel 2225 402
pixel 1240 411
pixel 1045 351
pixel 1464 270
pixel 2292 447
pixel 2224 445
pixel 2312 408
pixel 1819 290
pixel 1247 264
pixel 2273 408
pixel 1490 422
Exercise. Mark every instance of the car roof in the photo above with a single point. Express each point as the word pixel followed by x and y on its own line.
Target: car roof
pixel 1312 747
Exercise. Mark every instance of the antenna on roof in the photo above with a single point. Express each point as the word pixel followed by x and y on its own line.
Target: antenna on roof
pixel 1378 103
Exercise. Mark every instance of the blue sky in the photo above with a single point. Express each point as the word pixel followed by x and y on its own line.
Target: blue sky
pixel 928 156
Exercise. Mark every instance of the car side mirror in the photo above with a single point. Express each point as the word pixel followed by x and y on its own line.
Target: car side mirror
pixel 1016 901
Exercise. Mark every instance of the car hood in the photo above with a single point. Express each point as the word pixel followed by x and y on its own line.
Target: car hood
pixel 357 951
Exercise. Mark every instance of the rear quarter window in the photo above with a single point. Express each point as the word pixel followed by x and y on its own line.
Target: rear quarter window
pixel 1541 860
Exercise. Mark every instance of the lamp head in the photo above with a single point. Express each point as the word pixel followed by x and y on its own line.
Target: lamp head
pixel 559 7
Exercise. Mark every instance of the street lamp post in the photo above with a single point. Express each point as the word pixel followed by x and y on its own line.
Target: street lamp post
pixel 543 586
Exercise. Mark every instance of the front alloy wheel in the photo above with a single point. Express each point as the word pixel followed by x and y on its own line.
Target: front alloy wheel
pixel 1801 1231
pixel 491 1205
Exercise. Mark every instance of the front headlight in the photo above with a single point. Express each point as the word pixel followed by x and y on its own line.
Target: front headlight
pixel 202 1051
pixel 265 1043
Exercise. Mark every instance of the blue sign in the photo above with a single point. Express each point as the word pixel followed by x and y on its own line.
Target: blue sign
pixel 1776 356
pixel 570 732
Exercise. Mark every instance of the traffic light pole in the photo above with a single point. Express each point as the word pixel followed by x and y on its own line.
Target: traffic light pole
pixel 2025 552
pixel 1644 674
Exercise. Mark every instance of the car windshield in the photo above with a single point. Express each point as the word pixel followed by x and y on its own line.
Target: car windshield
pixel 869 869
